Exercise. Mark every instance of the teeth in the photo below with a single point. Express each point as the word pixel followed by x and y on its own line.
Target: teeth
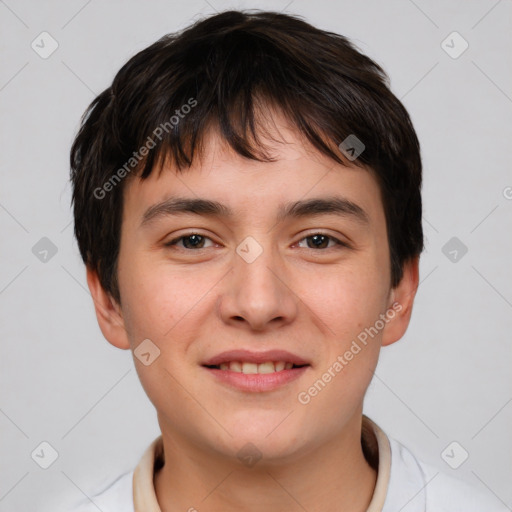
pixel 280 366
pixel 266 368
pixel 253 368
pixel 234 366
pixel 249 368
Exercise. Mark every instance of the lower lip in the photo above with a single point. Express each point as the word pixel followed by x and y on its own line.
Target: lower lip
pixel 257 382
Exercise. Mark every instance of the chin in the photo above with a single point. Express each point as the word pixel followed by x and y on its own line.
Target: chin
pixel 273 434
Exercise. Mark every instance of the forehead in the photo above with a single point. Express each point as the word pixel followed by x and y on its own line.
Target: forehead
pixel 255 189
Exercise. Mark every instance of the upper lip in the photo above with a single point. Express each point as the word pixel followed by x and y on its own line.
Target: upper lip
pixel 248 356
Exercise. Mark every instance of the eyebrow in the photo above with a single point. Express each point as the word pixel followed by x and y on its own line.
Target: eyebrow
pixel 298 209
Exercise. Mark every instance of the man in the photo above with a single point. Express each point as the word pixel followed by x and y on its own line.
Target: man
pixel 247 203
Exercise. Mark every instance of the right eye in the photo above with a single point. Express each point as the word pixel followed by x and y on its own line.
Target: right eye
pixel 190 241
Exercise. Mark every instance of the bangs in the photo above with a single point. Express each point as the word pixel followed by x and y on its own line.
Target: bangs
pixel 233 86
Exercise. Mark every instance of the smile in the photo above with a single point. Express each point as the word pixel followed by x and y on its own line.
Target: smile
pixel 250 371
pixel 254 368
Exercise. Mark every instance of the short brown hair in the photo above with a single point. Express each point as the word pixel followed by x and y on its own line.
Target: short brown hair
pixel 218 67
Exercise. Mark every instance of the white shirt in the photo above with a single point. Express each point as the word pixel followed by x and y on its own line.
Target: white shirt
pixel 404 484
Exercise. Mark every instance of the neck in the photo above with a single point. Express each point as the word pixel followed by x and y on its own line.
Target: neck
pixel 332 477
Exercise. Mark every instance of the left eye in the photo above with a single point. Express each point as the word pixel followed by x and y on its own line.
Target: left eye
pixel 319 241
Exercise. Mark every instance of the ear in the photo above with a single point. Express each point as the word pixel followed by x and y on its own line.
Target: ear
pixel 401 302
pixel 108 313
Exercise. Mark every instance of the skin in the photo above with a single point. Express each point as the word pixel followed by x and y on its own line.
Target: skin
pixel 195 303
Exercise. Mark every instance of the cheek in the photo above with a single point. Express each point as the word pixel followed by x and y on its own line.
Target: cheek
pixel 346 299
pixel 164 303
pixel 163 306
pixel 346 305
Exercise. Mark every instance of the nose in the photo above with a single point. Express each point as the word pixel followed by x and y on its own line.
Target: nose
pixel 255 294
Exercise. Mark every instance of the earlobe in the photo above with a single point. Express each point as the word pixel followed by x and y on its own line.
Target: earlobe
pixel 401 302
pixel 108 313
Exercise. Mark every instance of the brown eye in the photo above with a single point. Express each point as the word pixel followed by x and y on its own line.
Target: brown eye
pixel 189 241
pixel 320 241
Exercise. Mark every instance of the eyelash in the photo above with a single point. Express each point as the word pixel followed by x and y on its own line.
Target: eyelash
pixel 337 242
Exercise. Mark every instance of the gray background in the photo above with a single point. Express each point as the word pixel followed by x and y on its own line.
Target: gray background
pixel 447 380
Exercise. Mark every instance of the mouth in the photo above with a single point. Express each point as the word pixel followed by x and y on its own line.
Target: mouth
pixel 256 371
pixel 249 368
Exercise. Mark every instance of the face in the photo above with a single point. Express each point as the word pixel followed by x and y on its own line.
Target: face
pixel 258 303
